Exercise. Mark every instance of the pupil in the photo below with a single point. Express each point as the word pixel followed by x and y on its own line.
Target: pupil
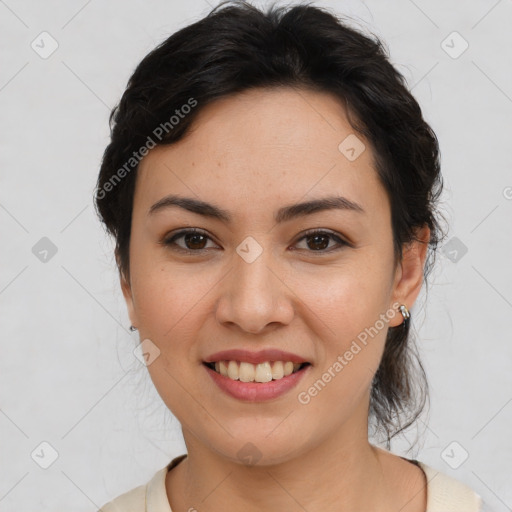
pixel 193 236
pixel 316 237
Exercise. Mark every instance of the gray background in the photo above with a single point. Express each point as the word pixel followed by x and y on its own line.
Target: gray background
pixel 69 375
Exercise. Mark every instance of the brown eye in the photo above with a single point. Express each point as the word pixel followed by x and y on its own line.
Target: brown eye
pixel 318 241
pixel 193 239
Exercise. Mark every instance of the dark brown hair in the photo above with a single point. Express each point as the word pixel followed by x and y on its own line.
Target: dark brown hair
pixel 237 47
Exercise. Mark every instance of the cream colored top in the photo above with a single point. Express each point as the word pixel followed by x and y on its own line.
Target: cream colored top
pixel 444 494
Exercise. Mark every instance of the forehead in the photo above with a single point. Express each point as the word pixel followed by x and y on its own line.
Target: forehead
pixel 263 146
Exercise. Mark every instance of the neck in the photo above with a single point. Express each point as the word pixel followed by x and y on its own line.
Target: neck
pixel 344 470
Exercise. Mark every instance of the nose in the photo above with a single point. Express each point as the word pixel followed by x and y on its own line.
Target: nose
pixel 254 296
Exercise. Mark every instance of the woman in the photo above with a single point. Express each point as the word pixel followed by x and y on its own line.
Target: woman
pixel 271 185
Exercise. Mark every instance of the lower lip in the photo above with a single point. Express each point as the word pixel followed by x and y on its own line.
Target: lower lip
pixel 256 391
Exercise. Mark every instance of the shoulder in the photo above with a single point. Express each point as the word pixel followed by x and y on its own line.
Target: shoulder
pixel 151 497
pixel 446 493
pixel 443 492
pixel 130 501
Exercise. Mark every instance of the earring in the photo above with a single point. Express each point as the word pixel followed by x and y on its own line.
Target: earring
pixel 405 313
pixel 133 328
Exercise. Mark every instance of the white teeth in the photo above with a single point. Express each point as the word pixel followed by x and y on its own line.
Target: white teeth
pixel 277 370
pixel 288 368
pixel 262 372
pixel 233 370
pixel 246 372
pixel 223 368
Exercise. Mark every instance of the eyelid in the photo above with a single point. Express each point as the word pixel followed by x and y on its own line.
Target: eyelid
pixel 169 239
pixel 323 231
pixel 341 241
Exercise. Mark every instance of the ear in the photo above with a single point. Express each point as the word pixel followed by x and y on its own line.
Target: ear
pixel 409 273
pixel 128 297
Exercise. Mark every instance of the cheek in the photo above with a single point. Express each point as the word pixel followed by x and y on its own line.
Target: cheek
pixel 173 306
pixel 169 306
pixel 349 305
pixel 348 297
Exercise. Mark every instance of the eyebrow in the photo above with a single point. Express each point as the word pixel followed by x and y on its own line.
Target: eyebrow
pixel 284 214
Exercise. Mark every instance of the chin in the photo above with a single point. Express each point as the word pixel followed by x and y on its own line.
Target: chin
pixel 260 449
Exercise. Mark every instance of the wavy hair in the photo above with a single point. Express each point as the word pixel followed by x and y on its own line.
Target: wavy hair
pixel 237 47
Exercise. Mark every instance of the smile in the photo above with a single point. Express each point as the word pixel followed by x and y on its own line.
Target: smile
pixel 262 372
pixel 259 384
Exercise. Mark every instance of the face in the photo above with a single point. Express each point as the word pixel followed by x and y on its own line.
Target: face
pixel 256 279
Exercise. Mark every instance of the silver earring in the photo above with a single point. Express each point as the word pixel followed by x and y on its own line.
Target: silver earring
pixel 133 328
pixel 405 313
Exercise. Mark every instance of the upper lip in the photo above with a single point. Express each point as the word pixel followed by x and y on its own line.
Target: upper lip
pixel 248 356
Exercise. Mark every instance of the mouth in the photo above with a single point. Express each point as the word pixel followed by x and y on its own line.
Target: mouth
pixel 262 372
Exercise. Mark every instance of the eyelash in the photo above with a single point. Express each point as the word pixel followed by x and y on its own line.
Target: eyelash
pixel 169 242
